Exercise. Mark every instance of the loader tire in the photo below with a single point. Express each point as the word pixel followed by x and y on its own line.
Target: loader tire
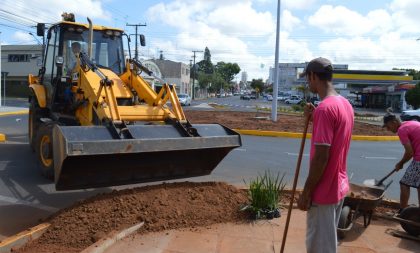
pixel 44 150
pixel 35 113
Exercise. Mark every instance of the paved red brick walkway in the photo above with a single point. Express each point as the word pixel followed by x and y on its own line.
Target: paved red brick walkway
pixel 264 237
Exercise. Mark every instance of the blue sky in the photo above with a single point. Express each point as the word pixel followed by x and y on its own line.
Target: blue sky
pixel 374 34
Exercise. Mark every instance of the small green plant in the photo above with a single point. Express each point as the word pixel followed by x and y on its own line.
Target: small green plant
pixel 265 193
pixel 297 108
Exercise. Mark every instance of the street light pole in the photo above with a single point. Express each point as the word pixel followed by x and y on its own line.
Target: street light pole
pixel 37 40
pixel 193 86
pixel 276 68
pixel 4 75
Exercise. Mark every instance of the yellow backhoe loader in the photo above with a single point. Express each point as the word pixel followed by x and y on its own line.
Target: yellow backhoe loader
pixel 95 122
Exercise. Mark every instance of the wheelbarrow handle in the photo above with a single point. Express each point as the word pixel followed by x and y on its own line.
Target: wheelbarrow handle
pixel 383 179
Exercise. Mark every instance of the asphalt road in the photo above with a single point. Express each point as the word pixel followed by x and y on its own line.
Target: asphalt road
pixel 26 197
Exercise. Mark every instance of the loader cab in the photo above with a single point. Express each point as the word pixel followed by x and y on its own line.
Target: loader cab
pixel 61 59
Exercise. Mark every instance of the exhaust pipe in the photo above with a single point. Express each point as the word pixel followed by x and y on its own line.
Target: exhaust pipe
pixel 90 38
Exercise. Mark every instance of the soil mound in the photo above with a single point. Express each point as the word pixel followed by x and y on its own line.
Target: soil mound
pixel 160 207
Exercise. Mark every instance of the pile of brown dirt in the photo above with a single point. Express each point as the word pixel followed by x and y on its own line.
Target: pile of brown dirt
pixel 166 206
pixel 286 123
pixel 160 207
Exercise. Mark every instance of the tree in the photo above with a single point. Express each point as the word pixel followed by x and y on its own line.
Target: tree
pixel 411 72
pixel 257 85
pixel 218 82
pixel 227 71
pixel 204 79
pixel 413 96
pixel 206 66
pixel 304 89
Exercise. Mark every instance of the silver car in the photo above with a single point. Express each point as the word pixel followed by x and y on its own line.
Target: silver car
pixel 184 99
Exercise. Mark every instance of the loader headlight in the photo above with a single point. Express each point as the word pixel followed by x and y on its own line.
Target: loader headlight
pixel 117 33
pixel 108 32
pixel 70 29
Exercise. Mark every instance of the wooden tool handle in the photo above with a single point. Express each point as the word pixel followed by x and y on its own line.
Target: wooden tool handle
pixel 299 161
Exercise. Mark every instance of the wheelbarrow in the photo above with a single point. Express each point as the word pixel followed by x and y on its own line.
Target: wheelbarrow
pixel 361 201
pixel 409 219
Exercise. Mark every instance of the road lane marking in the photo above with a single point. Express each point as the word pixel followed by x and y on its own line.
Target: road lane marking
pixel 27 203
pixel 240 149
pixel 379 157
pixel 295 154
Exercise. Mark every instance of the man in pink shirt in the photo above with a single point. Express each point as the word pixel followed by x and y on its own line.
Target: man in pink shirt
pixel 409 134
pixel 327 182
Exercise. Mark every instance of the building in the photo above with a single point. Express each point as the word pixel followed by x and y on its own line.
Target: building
pixel 177 73
pixel 289 74
pixel 244 77
pixel 17 62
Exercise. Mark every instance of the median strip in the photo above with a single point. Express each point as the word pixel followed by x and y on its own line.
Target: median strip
pixel 308 136
pixel 20 112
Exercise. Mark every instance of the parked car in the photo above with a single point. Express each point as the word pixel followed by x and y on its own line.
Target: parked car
pixel 282 97
pixel 294 100
pixel 245 97
pixel 410 115
pixel 184 99
pixel 269 97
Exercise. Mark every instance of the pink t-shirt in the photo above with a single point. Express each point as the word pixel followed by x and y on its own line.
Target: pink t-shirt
pixel 409 132
pixel 333 122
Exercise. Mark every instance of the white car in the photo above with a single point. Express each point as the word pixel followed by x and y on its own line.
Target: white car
pixel 184 99
pixel 410 115
pixel 269 97
pixel 293 100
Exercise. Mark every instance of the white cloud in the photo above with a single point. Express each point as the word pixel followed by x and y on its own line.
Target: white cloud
pixel 240 18
pixel 234 31
pixel 297 4
pixel 51 10
pixel 288 22
pixel 23 38
pixel 387 52
pixel 406 15
pixel 343 21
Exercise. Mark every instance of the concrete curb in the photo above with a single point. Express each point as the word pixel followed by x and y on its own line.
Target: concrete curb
pixel 103 244
pixel 18 240
pixel 256 132
pixel 308 136
pixel 21 112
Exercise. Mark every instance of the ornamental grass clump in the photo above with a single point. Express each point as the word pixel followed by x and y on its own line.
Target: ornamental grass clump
pixel 265 193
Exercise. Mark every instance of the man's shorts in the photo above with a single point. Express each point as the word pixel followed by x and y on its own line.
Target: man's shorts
pixel 411 176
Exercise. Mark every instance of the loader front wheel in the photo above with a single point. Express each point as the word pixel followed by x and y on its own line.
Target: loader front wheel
pixel 44 150
pixel 33 122
pixel 35 114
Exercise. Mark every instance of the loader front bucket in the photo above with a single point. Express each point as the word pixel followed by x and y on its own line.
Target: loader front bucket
pixel 88 156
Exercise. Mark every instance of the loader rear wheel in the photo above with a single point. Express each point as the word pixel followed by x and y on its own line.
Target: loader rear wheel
pixel 44 150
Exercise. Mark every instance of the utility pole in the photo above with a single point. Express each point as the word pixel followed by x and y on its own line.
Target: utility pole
pixel 190 75
pixel 193 86
pixel 136 56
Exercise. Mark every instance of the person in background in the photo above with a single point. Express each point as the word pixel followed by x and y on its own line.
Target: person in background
pixel 409 134
pixel 327 183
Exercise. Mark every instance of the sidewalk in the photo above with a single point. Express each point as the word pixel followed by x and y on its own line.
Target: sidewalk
pixel 264 237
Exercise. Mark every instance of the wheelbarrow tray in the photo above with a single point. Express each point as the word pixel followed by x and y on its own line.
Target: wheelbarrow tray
pixel 363 198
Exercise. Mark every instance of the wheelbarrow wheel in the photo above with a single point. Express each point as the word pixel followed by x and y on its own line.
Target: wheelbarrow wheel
pixel 343 221
pixel 413 214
